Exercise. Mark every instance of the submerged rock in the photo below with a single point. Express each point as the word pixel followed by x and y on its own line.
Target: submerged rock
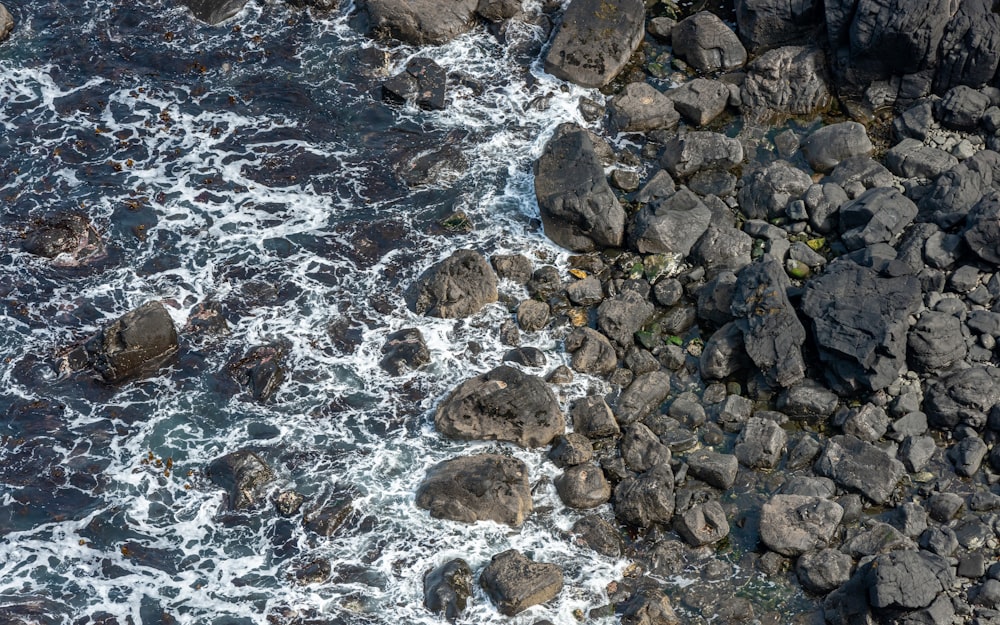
pixel 448 587
pixel 420 22
pixel 595 40
pixel 514 583
pixel 68 239
pixel 242 474
pixel 214 11
pixel 423 82
pixel 485 487
pixel 579 210
pixel 134 345
pixel 261 371
pixel 404 350
pixel 458 286
pixel 503 404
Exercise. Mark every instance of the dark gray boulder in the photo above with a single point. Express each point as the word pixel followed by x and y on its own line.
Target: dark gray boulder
pixel 458 286
pixel 514 583
pixel 935 342
pixel 767 191
pixel 808 399
pixel 713 468
pixel 621 316
pixel 68 239
pixel 795 524
pixel 261 371
pixel 486 487
pixel 591 352
pixel 586 292
pixel 640 107
pixel 722 248
pixel 134 345
pixel 764 24
pixel 962 108
pixel 715 299
pixel 952 195
pixel 701 100
pixel 707 44
pixel 967 455
pixel 646 499
pixel 858 174
pixel 404 350
pixel 503 404
pixel 848 461
pixel 859 322
pixel 643 396
pixel 571 449
pixel 595 41
pixel 242 474
pixel 583 486
pixel 965 396
pixel 671 225
pixel 595 533
pixel 649 606
pixel 824 570
pixel 828 146
pixel 498 10
pixel 785 82
pixel 907 580
pixel 772 333
pixel 593 418
pixel 448 588
pixel 578 208
pixel 982 231
pixel 693 151
pixel 724 353
pixel 641 449
pixel 910 158
pixel 420 22
pixel 422 82
pixel 702 524
pixel 532 315
pixel 878 215
pixel 869 423
pixel 514 267
pixel 210 11
pixel 760 444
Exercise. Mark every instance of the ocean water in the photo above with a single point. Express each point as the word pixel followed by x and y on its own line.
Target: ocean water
pixel 254 164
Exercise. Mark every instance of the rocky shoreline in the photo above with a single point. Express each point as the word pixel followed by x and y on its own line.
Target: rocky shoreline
pixel 788 275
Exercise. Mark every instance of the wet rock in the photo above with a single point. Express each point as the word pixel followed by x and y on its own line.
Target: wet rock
pixel 878 215
pixel 134 345
pixel 786 81
pixel 646 499
pixel 767 191
pixel 214 11
pixel 242 474
pixel 794 524
pixel 724 353
pixel 579 210
pixel 823 202
pixel 965 396
pixel 952 195
pixel 404 350
pixel 713 468
pixel 6 23
pixel 420 22
pixel 767 24
pixel 456 287
pixel 532 315
pixel 593 418
pixel 715 299
pixel 671 225
pixel 643 396
pixel 586 292
pixel 423 82
pixel 809 486
pixel 869 423
pixel 722 248
pixel 916 451
pixel 703 524
pixel 961 108
pixel 859 323
pixel 982 232
pixel 935 342
pixel 649 606
pixel 485 487
pixel 583 486
pixel 967 455
pixel 830 145
pixel 772 333
pixel 498 10
pixel 642 450
pixel 910 518
pixel 592 352
pixel 640 107
pixel 514 583
pixel 448 588
pixel 288 502
pixel 571 449
pixel 597 534
pixel 907 580
pixel 68 239
pixel 327 519
pixel 732 412
pixel 620 317
pixel 910 158
pixel 261 371
pixel 707 44
pixel 206 319
pixel 700 101
pixel 503 404
pixel 824 570
pixel 848 460
pixel 514 267
pixel 693 151
pixel 595 41
pixel 877 538
pixel 313 572
pixel 760 444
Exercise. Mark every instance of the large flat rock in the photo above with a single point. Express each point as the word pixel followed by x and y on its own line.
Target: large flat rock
pixel 595 40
